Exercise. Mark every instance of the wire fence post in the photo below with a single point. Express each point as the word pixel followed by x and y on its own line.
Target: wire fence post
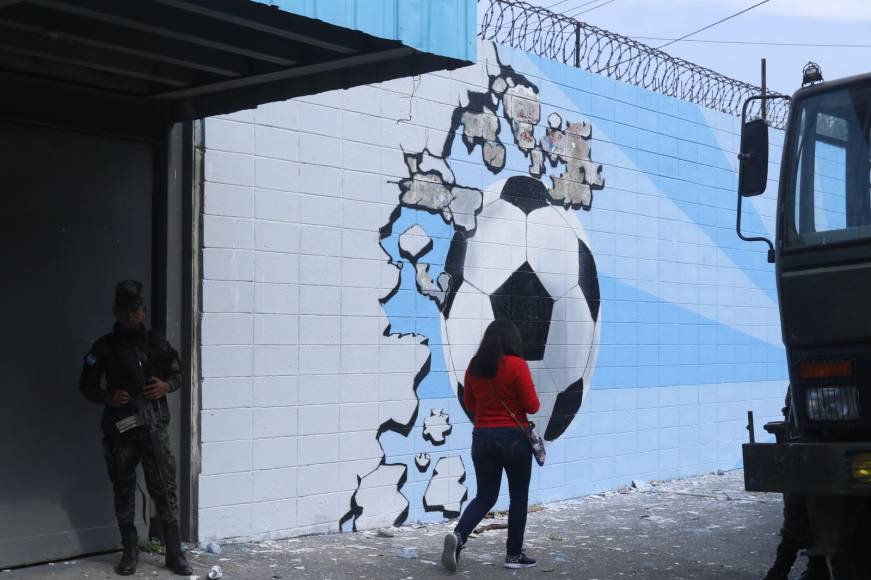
pixel 577 45
pixel 764 83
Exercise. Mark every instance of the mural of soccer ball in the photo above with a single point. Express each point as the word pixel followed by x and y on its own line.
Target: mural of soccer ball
pixel 527 261
pixel 516 250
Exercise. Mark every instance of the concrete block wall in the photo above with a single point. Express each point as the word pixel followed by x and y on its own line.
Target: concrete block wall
pixel 330 356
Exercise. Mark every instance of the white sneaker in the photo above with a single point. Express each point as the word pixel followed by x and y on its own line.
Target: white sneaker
pixel 451 551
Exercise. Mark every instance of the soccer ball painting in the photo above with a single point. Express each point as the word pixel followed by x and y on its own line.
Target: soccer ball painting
pixel 512 250
pixel 527 261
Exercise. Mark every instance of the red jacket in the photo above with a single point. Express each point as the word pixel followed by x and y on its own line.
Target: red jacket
pixel 514 385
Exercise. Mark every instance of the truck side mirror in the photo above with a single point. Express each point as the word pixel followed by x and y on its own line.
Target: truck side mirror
pixel 753 168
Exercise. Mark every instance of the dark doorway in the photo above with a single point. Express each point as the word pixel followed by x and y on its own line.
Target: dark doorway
pixel 76 217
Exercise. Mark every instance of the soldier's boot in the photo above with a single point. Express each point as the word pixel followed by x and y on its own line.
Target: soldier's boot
pixel 175 559
pixel 786 554
pixel 817 569
pixel 130 556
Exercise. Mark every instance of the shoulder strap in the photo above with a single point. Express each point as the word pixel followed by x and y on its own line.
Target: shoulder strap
pixel 507 409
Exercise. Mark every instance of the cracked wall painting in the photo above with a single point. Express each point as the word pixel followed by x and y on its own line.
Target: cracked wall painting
pixel 465 250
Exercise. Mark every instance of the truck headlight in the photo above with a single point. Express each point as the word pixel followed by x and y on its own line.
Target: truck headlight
pixel 838 403
pixel 860 466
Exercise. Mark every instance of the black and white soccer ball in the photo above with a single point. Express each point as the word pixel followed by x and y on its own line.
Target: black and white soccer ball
pixel 530 262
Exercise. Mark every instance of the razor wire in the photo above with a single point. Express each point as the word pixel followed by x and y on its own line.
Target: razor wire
pixel 536 30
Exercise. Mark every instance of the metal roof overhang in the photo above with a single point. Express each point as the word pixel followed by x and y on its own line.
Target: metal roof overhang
pixel 131 67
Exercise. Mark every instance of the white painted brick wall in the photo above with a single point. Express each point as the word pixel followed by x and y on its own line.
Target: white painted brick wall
pixel 271 360
pixel 226 361
pixel 275 422
pixel 228 200
pixel 276 452
pixel 276 391
pixel 277 143
pixel 276 298
pixel 276 205
pixel 297 375
pixel 223 328
pixel 227 457
pixel 227 296
pixel 227 393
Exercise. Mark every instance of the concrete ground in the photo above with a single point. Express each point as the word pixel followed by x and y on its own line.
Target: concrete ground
pixel 699 528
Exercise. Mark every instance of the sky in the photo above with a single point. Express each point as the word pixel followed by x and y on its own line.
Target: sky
pixel 819 22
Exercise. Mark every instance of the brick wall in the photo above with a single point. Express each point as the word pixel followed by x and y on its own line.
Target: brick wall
pixel 331 353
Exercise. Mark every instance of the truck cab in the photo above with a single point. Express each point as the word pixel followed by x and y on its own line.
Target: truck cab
pixel 822 256
pixel 823 259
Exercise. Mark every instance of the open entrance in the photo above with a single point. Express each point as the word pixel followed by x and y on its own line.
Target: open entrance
pixel 78 215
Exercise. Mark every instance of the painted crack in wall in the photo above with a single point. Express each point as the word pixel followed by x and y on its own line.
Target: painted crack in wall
pixel 547 278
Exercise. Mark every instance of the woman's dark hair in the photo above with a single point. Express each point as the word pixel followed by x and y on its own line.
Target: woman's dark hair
pixel 502 337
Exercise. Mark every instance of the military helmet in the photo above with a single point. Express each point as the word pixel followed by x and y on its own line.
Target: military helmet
pixel 128 295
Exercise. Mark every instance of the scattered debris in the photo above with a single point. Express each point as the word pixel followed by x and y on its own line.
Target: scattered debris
pixel 150 546
pixel 216 572
pixel 488 527
pixel 213 548
pixel 683 537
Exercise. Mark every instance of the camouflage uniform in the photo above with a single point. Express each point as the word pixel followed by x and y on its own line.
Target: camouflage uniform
pixel 126 359
pixel 123 454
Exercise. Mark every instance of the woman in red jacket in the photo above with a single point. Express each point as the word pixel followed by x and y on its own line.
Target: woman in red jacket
pixel 498 371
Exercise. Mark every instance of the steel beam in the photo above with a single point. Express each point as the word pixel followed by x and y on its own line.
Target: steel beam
pixel 290 73
pixel 56 49
pixel 87 32
pixel 68 75
pixel 313 33
pixel 143 16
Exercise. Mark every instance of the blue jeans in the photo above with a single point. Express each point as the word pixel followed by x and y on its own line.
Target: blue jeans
pixel 495 449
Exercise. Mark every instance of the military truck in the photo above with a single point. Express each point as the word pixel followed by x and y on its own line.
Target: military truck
pixel 822 257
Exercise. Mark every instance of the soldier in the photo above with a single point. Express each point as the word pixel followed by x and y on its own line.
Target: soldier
pixel 796 533
pixel 140 367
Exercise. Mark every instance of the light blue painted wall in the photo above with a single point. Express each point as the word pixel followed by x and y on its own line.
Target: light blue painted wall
pixel 690 330
pixel 443 27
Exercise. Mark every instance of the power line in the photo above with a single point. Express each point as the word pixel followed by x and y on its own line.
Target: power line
pixel 748 42
pixel 570 8
pixel 685 36
pixel 576 14
pixel 555 4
